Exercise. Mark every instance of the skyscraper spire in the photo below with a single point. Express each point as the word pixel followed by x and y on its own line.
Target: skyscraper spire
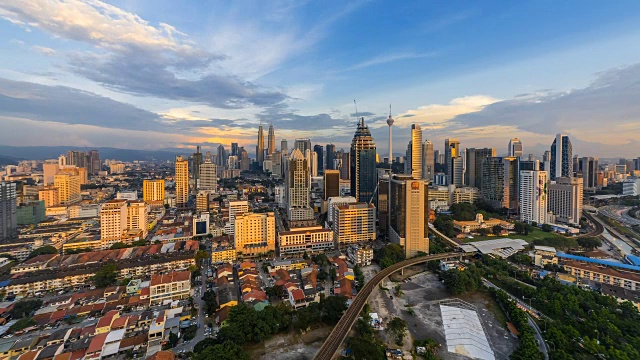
pixel 271 140
pixel 260 147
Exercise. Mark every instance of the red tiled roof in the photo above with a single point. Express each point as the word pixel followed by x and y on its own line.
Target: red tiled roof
pixel 29 355
pixel 88 331
pixel 169 278
pixel 162 355
pixel 39 259
pixel 78 354
pixel 297 294
pixel 97 343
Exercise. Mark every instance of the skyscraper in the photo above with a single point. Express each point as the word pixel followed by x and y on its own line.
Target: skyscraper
pixel 298 187
pixel 153 191
pixel 409 214
pixel 271 140
pixel 302 144
pixel 221 158
pixel 561 164
pixel 77 158
pixel 451 153
pixel 196 160
pixel 182 181
pixel 390 122
pixel 208 176
pixel 416 151
pixel 331 157
pixel 318 150
pixel 8 212
pixel 428 161
pixel 331 183
pixel 243 158
pixel 284 147
pixel 234 149
pixel 259 147
pixel 345 164
pixel 474 158
pixel 500 182
pixel 533 196
pixel 515 148
pixel 565 199
pixel 68 188
pixel 363 164
pixel 589 167
pixel 94 162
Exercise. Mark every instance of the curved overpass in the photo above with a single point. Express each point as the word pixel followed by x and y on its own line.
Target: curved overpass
pixel 340 331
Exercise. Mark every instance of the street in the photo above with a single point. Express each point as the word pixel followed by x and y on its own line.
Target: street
pixel 199 303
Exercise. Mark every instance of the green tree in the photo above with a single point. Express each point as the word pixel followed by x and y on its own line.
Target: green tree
pixel 203 344
pixel 398 328
pixel 43 250
pixel 210 302
pixel 332 308
pixel 22 324
pixel 173 341
pixel 24 308
pixel 589 243
pixel 332 274
pixel 496 229
pixel 389 255
pixel 546 228
pixel 225 351
pixel 118 245
pixel 201 255
pixel 106 275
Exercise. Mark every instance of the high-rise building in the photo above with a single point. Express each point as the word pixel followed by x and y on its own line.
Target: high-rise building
pixel 451 153
pixel 298 187
pixel 236 208
pixel 68 188
pixel 208 177
pixel 137 217
pixel 49 171
pixel 234 149
pixel 113 220
pixel 474 158
pixel 196 160
pixel 284 147
pixel 271 140
pixel 515 148
pixel 312 158
pixel 409 214
pixel 153 191
pixel 243 157
pixel 221 158
pixel 499 184
pixel 302 144
pixel 561 157
pixel 318 150
pixel 415 165
pixel 276 164
pixel 436 157
pixel 259 147
pixel 331 157
pixel 8 212
pixel 255 234
pixel 202 201
pixel 354 223
pixel 345 164
pixel 363 164
pixel 533 196
pixel 428 161
pixel 565 199
pixel 50 196
pixel 94 164
pixel 331 183
pixel 182 181
pixel 77 158
pixel 589 168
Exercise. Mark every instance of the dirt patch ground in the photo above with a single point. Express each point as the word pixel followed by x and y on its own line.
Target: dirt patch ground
pixel 291 346
pixel 419 307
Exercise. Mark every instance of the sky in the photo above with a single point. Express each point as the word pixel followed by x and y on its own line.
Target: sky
pixel 163 74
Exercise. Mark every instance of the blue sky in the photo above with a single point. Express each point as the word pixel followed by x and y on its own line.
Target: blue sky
pixel 161 74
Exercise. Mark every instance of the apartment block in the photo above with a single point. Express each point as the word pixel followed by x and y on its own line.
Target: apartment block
pixel 312 239
pixel 170 287
pixel 354 223
pixel 255 234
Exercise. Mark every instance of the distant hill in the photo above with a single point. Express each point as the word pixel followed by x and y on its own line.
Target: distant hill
pixel 15 153
pixel 5 160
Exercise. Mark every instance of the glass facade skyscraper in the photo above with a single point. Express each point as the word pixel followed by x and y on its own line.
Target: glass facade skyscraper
pixel 363 164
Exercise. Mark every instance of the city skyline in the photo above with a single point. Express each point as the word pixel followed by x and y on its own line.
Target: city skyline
pixel 69 82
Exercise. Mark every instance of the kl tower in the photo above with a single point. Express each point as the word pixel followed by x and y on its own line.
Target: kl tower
pixel 390 123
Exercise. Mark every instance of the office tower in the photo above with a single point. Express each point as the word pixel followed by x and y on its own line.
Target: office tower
pixel 113 220
pixel 331 157
pixel 49 171
pixel 474 158
pixel 565 199
pixel 153 192
pixel 390 122
pixel 221 158
pixel 255 234
pixel 284 147
pixel 331 183
pixel 354 223
pixel 271 140
pixel 276 164
pixel 68 188
pixel 409 214
pixel 62 161
pixel 208 177
pixel 49 195
pixel 561 158
pixel 8 212
pixel 312 160
pixel 244 159
pixel 530 165
pixel 196 160
pixel 94 162
pixel 182 181
pixel 232 162
pixel 31 213
pixel 298 187
pixel 499 185
pixel 345 164
pixel 363 164
pixel 515 148
pixel 416 151
pixel 407 157
pixel 302 144
pixel 236 208
pixel 533 196
pixel 260 147
pixel 137 217
pixel 77 158
pixel 234 149
pixel 546 162
pixel 428 161
pixel 318 150
pixel 79 171
pixel 436 156
pixel 202 201
pixel 451 153
pixel 589 168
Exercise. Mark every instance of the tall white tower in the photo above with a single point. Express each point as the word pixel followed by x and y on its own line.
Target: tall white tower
pixel 390 123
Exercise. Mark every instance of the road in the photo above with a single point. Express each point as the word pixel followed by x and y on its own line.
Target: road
pixel 620 214
pixel 632 244
pixel 340 331
pixel 197 300
pixel 542 345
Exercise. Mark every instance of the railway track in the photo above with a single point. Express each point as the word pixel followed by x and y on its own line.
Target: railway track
pixel 599 227
pixel 340 331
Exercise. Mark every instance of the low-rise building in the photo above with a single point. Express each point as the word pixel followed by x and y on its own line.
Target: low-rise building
pixel 466 227
pixel 170 287
pixel 544 255
pixel 313 239
pixel 360 255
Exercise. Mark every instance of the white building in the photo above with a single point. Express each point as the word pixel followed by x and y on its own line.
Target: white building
pixel 354 223
pixel 565 199
pixel 334 201
pixel 631 187
pixel 533 196
pixel 236 208
pixel 127 195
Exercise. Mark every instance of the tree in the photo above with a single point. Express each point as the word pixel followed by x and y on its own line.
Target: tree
pixel 332 274
pixel 225 351
pixel 546 228
pixel 398 328
pixel 332 308
pixel 496 229
pixel 24 308
pixel 22 324
pixel 173 341
pixel 200 255
pixel 106 275
pixel 389 255
pixel 203 344
pixel 210 302
pixel 458 282
pixel 589 243
pixel 444 224
pixel 118 245
pixel 43 250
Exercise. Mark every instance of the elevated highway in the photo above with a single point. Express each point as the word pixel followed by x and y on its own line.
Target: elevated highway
pixel 340 331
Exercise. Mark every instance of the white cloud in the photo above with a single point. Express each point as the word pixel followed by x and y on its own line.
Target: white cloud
pixel 43 50
pixel 387 58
